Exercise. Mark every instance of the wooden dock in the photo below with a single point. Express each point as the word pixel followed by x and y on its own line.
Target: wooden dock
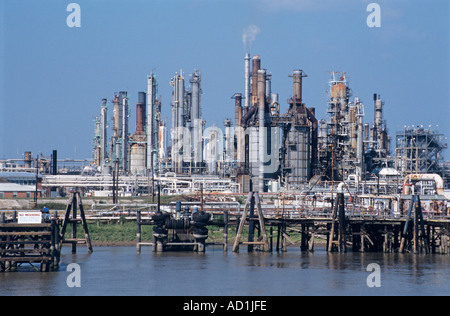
pixel 41 241
pixel 342 230
pixel 29 244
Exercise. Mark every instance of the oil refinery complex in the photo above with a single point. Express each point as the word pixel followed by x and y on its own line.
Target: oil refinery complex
pixel 260 149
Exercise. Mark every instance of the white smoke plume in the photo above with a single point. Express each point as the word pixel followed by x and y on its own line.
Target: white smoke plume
pixel 249 36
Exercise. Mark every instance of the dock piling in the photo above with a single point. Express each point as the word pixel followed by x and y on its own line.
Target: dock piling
pixel 72 206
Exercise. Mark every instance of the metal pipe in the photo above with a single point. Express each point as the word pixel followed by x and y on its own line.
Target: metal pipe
pixel 425 177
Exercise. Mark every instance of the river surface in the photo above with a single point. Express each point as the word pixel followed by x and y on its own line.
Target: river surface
pixel 121 271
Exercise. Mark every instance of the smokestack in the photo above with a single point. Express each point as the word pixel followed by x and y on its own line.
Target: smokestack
pixel 27 159
pixel 103 136
pixel 378 113
pixel 378 119
pixel 229 142
pixel 262 94
pixel 54 162
pixel 366 132
pixel 268 87
pixel 256 65
pixel 142 98
pixel 247 81
pixel 178 124
pixel 151 98
pixel 116 115
pixel 196 140
pixel 140 109
pixel 262 128
pixel 298 74
pixel 124 131
pixel 237 109
pixel 238 130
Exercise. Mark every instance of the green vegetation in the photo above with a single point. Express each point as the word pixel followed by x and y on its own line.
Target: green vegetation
pixel 125 232
pixel 53 205
pixel 112 232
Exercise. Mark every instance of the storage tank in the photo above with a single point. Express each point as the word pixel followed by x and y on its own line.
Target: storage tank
pixel 339 90
pixel 137 159
pixel 28 159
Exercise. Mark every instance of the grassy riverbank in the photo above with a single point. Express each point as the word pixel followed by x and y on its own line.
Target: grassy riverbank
pixel 124 233
pixel 112 233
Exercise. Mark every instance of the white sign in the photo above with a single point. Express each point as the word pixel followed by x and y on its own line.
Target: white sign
pixel 31 217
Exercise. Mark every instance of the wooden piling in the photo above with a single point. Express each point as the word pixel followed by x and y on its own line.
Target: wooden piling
pixel 138 232
pixel 72 206
pixel 249 204
pixel 363 235
pixel 225 231
pixel 278 236
pixel 271 239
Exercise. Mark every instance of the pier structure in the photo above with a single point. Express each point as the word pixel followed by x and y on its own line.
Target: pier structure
pixel 180 231
pixel 36 238
pixel 23 243
pixel 345 226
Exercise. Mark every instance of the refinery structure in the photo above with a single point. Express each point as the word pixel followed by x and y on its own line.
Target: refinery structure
pixel 261 148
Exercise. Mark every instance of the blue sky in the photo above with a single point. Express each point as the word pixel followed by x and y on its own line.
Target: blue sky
pixel 53 77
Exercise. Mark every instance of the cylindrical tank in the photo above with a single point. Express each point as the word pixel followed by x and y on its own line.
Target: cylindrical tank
pixel 339 90
pixel 137 159
pixel 106 170
pixel 28 159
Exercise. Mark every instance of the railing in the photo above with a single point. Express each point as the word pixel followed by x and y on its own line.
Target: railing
pixel 288 211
